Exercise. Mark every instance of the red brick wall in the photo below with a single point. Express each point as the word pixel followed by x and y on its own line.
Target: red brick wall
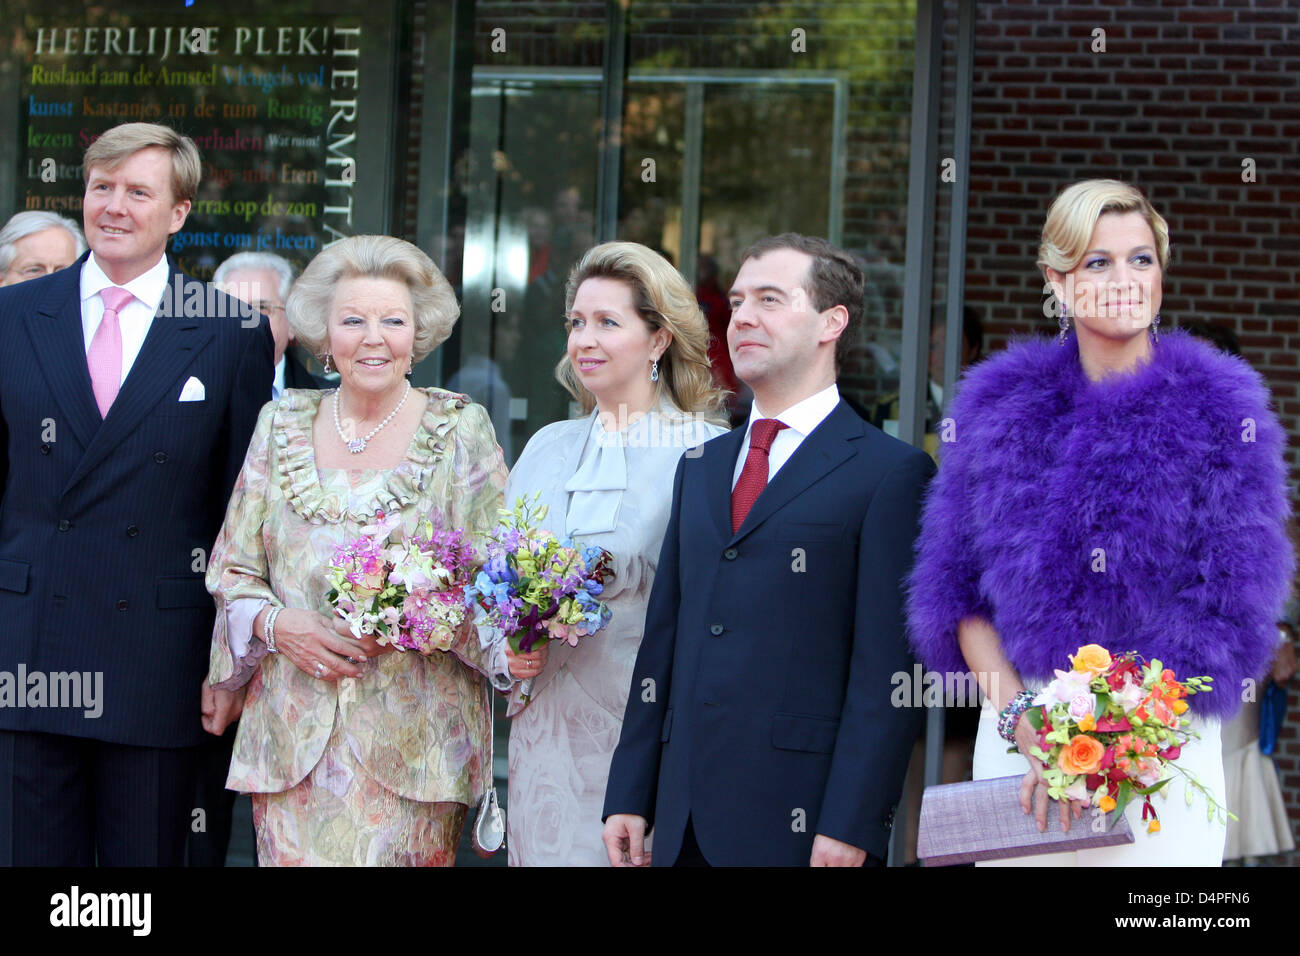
pixel 1185 90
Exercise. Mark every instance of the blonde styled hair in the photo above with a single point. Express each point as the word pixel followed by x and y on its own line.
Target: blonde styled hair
pixel 663 300
pixel 1074 214
pixel 372 257
pixel 118 144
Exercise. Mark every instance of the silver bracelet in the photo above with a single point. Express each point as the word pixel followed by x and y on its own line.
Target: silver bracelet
pixel 270 628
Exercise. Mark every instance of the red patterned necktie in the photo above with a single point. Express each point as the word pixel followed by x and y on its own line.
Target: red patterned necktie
pixel 753 477
pixel 105 355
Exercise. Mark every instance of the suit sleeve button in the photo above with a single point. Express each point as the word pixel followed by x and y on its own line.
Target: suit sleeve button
pixel 45 448
pixel 64 524
pixel 121 605
pixel 159 457
pixel 730 554
pixel 132 531
pixel 716 630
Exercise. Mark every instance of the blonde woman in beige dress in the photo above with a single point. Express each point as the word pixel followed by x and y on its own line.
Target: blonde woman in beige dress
pixel 354 755
pixel 637 361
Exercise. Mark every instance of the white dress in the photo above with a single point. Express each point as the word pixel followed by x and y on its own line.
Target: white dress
pixel 1254 794
pixel 611 490
pixel 1186 837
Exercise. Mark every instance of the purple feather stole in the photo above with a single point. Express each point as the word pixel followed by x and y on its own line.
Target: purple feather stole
pixel 1143 512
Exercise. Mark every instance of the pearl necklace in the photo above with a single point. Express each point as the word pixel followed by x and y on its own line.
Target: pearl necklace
pixel 358 445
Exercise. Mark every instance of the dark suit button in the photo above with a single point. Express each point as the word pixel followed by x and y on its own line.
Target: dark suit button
pixel 132 531
pixel 159 457
pixel 121 605
pixel 716 630
pixel 730 554
pixel 64 524
pixel 45 448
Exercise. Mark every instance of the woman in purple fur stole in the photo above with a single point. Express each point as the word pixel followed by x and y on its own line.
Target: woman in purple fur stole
pixel 1114 486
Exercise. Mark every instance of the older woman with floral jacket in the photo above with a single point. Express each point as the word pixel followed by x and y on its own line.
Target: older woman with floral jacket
pixel 354 755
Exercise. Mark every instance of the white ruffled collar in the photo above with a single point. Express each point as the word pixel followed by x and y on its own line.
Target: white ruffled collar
pixel 596 487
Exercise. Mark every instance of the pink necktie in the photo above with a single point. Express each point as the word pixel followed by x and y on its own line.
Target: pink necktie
pixel 105 355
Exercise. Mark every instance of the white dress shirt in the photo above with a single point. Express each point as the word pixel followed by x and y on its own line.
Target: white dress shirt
pixel 134 318
pixel 277 383
pixel 800 419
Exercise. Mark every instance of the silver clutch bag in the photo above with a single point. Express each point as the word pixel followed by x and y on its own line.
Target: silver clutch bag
pixel 490 824
pixel 490 827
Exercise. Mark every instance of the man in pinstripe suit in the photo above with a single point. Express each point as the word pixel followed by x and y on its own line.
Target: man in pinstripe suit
pixel 128 393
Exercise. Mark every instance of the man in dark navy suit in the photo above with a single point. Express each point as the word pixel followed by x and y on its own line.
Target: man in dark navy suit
pixel 759 729
pixel 128 393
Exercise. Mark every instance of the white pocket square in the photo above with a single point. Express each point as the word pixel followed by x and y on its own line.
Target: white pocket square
pixel 193 390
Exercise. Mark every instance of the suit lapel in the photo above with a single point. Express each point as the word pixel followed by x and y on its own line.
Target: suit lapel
pixel 829 445
pixel 172 343
pixel 725 450
pixel 60 346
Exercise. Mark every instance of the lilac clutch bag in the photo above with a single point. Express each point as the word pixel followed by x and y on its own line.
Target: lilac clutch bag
pixel 982 820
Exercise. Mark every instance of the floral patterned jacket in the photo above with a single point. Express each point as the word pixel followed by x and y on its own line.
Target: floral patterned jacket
pixel 417 724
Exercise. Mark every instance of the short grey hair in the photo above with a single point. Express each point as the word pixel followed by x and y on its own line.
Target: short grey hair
pixel 375 257
pixel 241 261
pixel 23 224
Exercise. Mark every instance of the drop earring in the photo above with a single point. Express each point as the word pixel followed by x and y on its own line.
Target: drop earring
pixel 654 371
pixel 1064 322
pixel 325 363
pixel 1155 328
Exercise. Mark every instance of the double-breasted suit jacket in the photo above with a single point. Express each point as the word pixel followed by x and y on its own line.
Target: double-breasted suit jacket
pixel 106 524
pixel 760 701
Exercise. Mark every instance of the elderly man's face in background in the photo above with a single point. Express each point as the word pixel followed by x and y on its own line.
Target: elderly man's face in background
pixel 40 254
pixel 260 288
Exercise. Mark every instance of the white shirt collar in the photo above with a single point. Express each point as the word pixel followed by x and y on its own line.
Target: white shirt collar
pixel 148 286
pixel 803 416
pixel 277 383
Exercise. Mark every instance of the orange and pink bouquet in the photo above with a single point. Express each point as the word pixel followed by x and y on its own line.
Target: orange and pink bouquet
pixel 1112 728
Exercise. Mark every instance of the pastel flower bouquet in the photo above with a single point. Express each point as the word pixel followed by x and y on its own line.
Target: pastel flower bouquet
pixel 407 590
pixel 1112 728
pixel 533 586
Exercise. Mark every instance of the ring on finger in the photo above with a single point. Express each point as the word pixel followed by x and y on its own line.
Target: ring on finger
pixel 320 668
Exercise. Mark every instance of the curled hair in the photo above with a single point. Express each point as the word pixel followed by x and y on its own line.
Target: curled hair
pixel 663 300
pixel 117 145
pixel 372 257
pixel 1073 217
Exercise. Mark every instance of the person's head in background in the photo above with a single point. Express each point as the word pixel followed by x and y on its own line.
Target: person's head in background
pixel 34 244
pixel 263 280
pixel 972 341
